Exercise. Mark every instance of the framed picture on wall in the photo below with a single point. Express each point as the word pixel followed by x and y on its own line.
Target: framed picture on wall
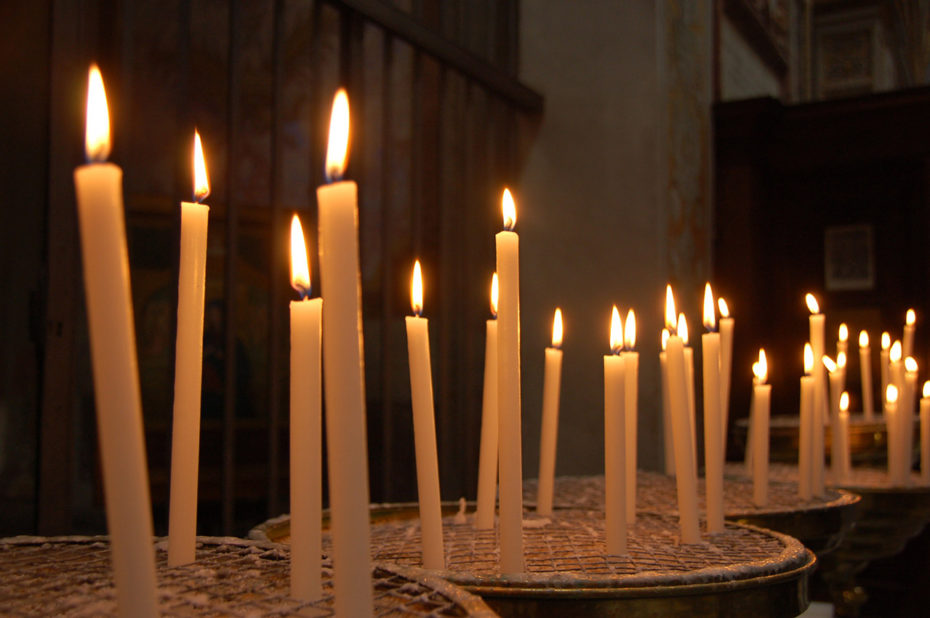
pixel 849 257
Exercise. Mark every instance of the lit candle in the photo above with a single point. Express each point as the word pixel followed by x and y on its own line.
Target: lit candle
pixel 98 186
pixel 841 369
pixel 615 441
pixel 508 392
pixel 841 451
pixel 909 325
pixel 906 415
pixel 842 339
pixel 806 430
pixel 884 362
pixel 689 383
pixel 631 408
pixel 188 365
pixel 424 427
pixel 668 443
pixel 713 452
pixel 925 435
pixel 891 408
pixel 761 395
pixel 726 367
pixel 685 469
pixel 896 368
pixel 343 373
pixel 487 457
pixel 817 320
pixel 865 373
pixel 836 388
pixel 552 379
pixel 306 428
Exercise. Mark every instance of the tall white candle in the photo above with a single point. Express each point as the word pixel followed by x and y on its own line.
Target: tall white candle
pixel 925 435
pixel 306 428
pixel 424 427
pixel 713 452
pixel 817 321
pixel 98 186
pixel 487 456
pixel 726 368
pixel 842 340
pixel 668 442
pixel 343 371
pixel 631 409
pixel 836 387
pixel 909 326
pixel 894 426
pixel 685 469
pixel 806 430
pixel 884 362
pixel 508 388
pixel 841 368
pixel 689 383
pixel 188 365
pixel 761 394
pixel 841 451
pixel 891 409
pixel 906 412
pixel 615 510
pixel 552 379
pixel 865 373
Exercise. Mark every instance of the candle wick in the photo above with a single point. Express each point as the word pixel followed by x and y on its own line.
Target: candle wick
pixel 302 291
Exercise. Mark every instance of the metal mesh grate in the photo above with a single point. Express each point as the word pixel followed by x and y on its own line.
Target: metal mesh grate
pixel 658 492
pixel 863 477
pixel 232 577
pixel 569 548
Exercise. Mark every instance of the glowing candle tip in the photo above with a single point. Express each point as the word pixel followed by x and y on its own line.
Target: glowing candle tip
pixel 629 330
pixel 557 328
pixel 97 129
pixel 337 149
pixel 812 303
pixel 509 209
pixel 710 315
pixel 300 267
pixel 495 294
pixel 616 331
pixel 201 179
pixel 863 339
pixel 416 290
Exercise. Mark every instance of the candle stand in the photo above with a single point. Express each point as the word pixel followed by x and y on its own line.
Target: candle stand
pixel 743 571
pixel 231 577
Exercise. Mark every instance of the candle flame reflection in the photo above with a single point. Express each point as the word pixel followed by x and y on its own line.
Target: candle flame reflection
pixel 495 294
pixel 808 359
pixel 201 179
pixel 97 128
pixel 300 268
pixel 710 316
pixel 683 328
pixel 616 331
pixel 337 149
pixel 557 329
pixel 665 336
pixel 509 210
pixel 416 289
pixel 629 330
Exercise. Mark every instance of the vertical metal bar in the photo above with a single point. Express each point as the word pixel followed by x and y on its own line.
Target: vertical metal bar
pixel 229 278
pixel 275 262
pixel 387 269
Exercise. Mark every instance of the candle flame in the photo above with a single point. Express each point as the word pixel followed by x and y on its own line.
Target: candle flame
pixel 910 317
pixel 886 341
pixel 829 364
pixel 97 127
pixel 722 306
pixel 300 268
pixel 495 294
pixel 616 331
pixel 416 289
pixel 812 303
pixel 557 328
pixel 910 365
pixel 808 359
pixel 841 359
pixel 683 328
pixel 891 393
pixel 670 313
pixel 895 354
pixel 665 336
pixel 761 367
pixel 844 402
pixel 337 149
pixel 843 332
pixel 863 339
pixel 509 210
pixel 629 330
pixel 926 392
pixel 201 180
pixel 710 316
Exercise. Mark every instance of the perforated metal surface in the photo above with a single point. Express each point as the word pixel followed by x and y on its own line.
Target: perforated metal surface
pixel 860 476
pixel 232 577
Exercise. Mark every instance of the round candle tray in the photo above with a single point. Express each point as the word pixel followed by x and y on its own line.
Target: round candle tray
pixel 231 577
pixel 819 524
pixel 743 571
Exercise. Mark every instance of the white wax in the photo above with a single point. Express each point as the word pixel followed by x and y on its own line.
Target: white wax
pixel 188 365
pixel 510 449
pixel 614 459
pixel 805 438
pixel 713 451
pixel 692 414
pixel 820 402
pixel 726 369
pixel 891 409
pixel 865 373
pixel 884 360
pixel 552 379
pixel 98 187
pixel 668 442
pixel 895 424
pixel 836 389
pixel 907 343
pixel 487 456
pixel 747 456
pixel 761 394
pixel 685 471
pixel 630 412
pixel 906 413
pixel 306 448
pixel 925 440
pixel 343 374
pixel 424 438
pixel 841 451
